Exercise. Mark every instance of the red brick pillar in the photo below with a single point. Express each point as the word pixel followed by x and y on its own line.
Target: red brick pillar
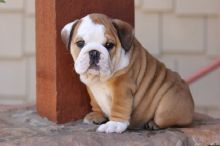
pixel 61 97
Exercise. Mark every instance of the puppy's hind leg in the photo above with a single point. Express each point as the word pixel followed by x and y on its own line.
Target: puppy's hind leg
pixel 175 109
pixel 151 125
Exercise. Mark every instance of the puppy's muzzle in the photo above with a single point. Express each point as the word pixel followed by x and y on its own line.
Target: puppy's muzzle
pixel 94 57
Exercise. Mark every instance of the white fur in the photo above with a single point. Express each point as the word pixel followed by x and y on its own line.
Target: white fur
pixel 94 37
pixel 91 32
pixel 113 127
pixel 82 62
pixel 102 96
pixel 67 28
pixel 65 32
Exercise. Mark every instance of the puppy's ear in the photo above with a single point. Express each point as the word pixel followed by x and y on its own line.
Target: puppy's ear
pixel 67 32
pixel 125 33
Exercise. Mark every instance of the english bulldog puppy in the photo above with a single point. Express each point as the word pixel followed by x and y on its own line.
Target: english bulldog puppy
pixel 128 87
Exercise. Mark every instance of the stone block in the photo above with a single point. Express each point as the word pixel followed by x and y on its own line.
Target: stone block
pixel 157 5
pixel 205 91
pixel 147 30
pixel 213 35
pixel 30 7
pixel 183 34
pixel 169 61
pixel 13 78
pixel 137 3
pixel 213 111
pixel 12 5
pixel 30 35
pixel 12 100
pixel 31 79
pixel 197 7
pixel 11 35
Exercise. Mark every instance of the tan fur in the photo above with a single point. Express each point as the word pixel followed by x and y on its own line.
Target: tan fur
pixel 145 90
pixel 150 91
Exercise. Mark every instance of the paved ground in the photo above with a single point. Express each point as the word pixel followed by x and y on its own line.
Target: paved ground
pixel 21 126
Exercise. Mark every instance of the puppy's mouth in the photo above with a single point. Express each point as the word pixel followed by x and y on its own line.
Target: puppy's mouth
pixel 94 67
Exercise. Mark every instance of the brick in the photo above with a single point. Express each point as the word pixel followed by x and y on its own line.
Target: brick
pixel 30 35
pixel 31 79
pixel 11 35
pixel 183 34
pixel 147 30
pixel 13 78
pixel 205 91
pixel 157 5
pixel 12 5
pixel 198 7
pixel 213 35
pixel 30 7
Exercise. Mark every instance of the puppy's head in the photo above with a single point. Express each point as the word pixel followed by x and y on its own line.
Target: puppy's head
pixel 99 46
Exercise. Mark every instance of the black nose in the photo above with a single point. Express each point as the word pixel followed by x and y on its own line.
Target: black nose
pixel 94 57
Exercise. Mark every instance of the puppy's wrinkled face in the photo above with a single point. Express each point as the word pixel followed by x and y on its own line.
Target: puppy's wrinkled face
pixel 95 47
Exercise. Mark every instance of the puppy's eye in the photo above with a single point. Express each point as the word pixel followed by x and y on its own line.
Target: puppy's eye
pixel 80 44
pixel 109 46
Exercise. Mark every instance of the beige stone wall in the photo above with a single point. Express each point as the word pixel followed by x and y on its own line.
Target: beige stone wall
pixel 185 34
pixel 17 51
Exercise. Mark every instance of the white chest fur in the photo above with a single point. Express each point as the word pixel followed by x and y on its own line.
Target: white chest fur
pixel 102 96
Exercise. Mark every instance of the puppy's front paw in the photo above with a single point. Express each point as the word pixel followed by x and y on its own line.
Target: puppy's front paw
pixel 94 118
pixel 113 127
